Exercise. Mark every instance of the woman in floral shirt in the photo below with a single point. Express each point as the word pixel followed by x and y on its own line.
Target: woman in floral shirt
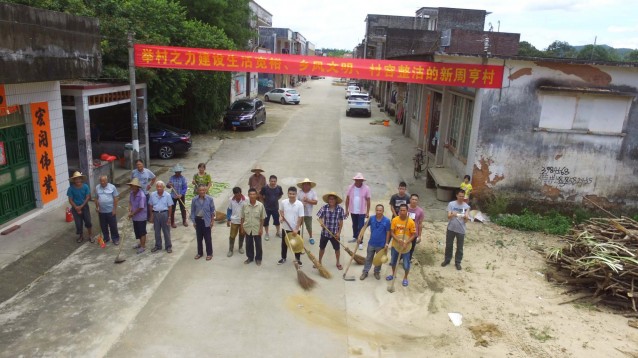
pixel 202 178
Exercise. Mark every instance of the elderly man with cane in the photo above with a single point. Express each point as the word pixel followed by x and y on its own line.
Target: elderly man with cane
pixel 161 206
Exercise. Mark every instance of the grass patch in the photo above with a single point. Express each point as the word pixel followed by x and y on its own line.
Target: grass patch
pixel 552 223
pixel 496 204
pixel 541 335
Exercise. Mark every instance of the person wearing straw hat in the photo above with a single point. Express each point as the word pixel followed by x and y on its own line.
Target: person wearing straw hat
pixel 403 231
pixel 146 178
pixel 137 211
pixel 161 205
pixel 106 205
pixel 257 180
pixel 357 204
pixel 79 195
pixel 331 217
pixel 308 198
pixel 379 234
pixel 203 217
pixel 178 185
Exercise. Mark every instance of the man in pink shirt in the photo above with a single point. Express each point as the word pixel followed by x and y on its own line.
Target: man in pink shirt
pixel 357 204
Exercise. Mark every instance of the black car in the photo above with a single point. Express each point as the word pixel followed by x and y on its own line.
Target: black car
pixel 245 112
pixel 165 141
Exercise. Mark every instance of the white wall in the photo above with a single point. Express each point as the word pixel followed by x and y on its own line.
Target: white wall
pixel 25 94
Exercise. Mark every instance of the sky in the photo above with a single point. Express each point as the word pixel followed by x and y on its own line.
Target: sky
pixel 341 23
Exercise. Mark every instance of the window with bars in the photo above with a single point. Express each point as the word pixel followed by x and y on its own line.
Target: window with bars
pixel 460 125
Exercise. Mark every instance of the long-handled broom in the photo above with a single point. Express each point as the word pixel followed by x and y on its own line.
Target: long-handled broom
pixel 322 270
pixel 351 278
pixel 360 260
pixel 118 260
pixel 304 281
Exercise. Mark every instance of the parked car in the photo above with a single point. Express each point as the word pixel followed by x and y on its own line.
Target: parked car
pixel 358 103
pixel 283 95
pixel 165 141
pixel 351 89
pixel 245 112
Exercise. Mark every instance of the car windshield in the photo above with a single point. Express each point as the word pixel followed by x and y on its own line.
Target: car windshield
pixel 241 106
pixel 292 91
pixel 359 97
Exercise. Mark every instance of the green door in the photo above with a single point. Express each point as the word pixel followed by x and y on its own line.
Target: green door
pixel 16 182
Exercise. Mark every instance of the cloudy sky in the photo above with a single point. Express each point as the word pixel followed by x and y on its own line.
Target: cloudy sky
pixel 340 23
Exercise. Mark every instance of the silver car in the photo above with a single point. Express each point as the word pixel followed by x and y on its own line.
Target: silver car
pixel 283 96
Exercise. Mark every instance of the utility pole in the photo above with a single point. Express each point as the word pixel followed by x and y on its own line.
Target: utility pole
pixel 135 155
pixel 591 57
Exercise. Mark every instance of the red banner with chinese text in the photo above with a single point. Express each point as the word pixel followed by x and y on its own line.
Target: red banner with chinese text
pixel 44 151
pixel 440 73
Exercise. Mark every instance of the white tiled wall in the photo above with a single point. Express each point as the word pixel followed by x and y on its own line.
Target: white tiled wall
pixel 24 94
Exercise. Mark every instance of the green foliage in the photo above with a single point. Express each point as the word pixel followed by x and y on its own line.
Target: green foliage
pixel 231 16
pixel 75 7
pixel 560 49
pixel 527 49
pixel 580 215
pixel 333 52
pixel 597 53
pixel 495 204
pixel 552 223
pixel 635 217
pixel 631 56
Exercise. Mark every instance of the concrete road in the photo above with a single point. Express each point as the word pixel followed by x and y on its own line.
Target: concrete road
pixel 168 305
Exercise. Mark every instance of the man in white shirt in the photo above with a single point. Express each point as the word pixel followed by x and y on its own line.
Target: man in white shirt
pixel 291 212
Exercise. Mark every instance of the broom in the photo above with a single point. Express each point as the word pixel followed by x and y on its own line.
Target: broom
pixel 351 278
pixel 322 270
pixel 304 281
pixel 360 260
pixel 119 260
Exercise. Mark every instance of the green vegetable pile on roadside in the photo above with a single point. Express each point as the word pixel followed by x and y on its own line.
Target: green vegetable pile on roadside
pixel 552 223
pixel 214 190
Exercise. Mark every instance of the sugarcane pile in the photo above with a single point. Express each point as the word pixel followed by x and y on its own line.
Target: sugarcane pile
pixel 600 256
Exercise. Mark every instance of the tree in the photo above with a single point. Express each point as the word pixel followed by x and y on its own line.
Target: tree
pixel 333 52
pixel 632 56
pixel 597 53
pixel 528 50
pixel 560 49
pixel 231 16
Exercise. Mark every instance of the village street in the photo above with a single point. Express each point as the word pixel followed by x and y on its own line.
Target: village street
pixel 161 305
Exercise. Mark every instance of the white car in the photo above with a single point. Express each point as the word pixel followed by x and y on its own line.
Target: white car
pixel 283 95
pixel 351 89
pixel 359 103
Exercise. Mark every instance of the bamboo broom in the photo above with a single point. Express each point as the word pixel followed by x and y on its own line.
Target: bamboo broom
pixel 360 260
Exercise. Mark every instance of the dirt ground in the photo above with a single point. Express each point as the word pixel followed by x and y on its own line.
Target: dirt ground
pixel 508 307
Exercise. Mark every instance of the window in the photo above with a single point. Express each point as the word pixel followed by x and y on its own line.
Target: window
pixel 584 112
pixel 461 125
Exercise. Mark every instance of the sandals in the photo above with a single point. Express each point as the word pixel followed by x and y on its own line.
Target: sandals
pixel 208 258
pixel 389 278
pixel 405 283
pixel 339 267
pixel 312 241
pixel 79 239
pixel 91 239
pixel 197 257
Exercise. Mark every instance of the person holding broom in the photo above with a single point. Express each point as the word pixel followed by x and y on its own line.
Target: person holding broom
pixel 137 211
pixel 291 213
pixel 379 234
pixel 331 217
pixel 357 204
pixel 178 185
pixel 403 231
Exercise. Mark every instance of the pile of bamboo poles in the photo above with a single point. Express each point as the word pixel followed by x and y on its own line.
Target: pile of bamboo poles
pixel 601 257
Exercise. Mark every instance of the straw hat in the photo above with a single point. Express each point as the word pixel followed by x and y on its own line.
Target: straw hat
pixel 306 180
pixel 178 168
pixel 332 193
pixel 380 257
pixel 296 243
pixel 77 175
pixel 359 176
pixel 135 182
pixel 257 168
